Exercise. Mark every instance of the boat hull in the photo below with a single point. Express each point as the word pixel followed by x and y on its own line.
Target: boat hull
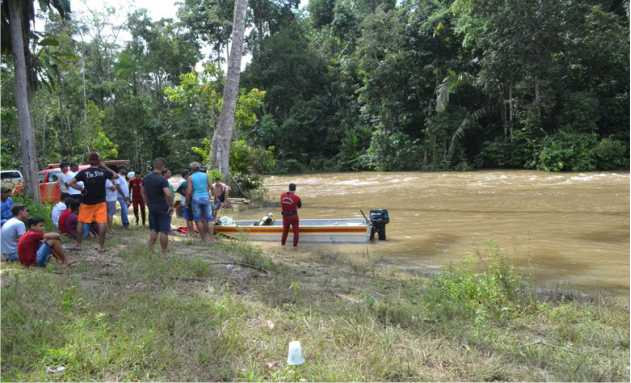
pixel 311 230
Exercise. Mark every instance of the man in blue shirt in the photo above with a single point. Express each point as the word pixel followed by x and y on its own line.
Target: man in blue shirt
pixel 7 204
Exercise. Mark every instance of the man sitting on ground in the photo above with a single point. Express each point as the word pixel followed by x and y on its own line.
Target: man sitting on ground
pixel 68 221
pixel 58 209
pixel 12 230
pixel 7 204
pixel 35 247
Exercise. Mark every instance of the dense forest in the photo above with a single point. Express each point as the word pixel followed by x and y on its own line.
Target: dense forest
pixel 338 85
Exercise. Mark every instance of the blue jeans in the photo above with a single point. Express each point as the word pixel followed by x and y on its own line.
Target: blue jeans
pixel 111 208
pixel 43 254
pixel 187 213
pixel 202 209
pixel 11 257
pixel 124 211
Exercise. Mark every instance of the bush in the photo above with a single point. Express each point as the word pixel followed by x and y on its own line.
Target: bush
pixel 516 154
pixel 611 154
pixel 249 159
pixel 568 151
pixel 463 292
pixel 245 184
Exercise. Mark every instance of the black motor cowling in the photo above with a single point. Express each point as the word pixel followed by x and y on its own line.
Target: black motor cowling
pixel 379 219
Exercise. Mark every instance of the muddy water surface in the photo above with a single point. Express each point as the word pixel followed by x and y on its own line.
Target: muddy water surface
pixel 570 229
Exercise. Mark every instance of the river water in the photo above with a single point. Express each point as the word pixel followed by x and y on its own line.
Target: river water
pixel 569 229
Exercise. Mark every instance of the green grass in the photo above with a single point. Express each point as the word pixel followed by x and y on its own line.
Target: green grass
pixel 133 315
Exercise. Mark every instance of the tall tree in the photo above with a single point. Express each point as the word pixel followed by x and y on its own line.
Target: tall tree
pixel 16 18
pixel 220 151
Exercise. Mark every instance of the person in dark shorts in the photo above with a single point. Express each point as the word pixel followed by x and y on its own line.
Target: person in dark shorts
pixel 93 208
pixel 159 199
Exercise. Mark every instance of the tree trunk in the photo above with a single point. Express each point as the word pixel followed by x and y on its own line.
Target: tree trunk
pixel 27 136
pixel 220 150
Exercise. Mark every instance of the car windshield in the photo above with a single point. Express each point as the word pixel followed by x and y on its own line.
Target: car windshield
pixel 9 175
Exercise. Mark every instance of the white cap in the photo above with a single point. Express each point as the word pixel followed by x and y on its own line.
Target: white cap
pixel 131 175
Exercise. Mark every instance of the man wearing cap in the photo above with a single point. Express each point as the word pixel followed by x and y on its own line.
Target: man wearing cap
pixel 93 207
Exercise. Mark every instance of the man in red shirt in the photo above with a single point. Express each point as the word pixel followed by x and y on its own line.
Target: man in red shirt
pixel 135 185
pixel 290 203
pixel 68 220
pixel 35 247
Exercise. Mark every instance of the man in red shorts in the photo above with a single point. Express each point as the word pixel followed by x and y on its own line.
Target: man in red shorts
pixel 290 203
pixel 135 185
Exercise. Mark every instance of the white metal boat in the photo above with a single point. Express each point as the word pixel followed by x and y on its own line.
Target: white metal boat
pixel 351 230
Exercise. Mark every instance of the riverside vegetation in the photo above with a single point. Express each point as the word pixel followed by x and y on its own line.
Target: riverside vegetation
pixel 227 312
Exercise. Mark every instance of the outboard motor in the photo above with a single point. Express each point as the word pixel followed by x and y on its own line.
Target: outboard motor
pixel 379 219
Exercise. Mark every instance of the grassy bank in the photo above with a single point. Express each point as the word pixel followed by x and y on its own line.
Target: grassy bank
pixel 227 312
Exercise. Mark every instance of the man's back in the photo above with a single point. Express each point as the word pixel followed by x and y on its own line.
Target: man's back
pixel 199 181
pixel 154 185
pixel 11 231
pixel 290 203
pixel 94 181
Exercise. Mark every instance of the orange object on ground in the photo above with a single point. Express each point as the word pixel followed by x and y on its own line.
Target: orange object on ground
pixel 93 213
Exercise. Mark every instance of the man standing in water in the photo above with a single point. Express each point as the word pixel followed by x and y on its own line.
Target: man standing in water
pixel 93 207
pixel 290 203
pixel 156 192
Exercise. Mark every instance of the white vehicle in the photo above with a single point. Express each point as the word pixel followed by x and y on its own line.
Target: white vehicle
pixel 11 178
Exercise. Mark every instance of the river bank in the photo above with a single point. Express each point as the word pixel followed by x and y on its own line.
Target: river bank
pixel 228 311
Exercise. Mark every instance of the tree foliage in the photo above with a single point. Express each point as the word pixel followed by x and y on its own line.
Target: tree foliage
pixel 342 85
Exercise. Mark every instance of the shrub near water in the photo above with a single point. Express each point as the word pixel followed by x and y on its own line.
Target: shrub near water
pixel 494 293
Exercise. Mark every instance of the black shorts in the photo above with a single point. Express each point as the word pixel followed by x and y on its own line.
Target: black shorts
pixel 160 222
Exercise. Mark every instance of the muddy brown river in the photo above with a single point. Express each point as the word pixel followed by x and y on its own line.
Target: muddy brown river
pixel 569 229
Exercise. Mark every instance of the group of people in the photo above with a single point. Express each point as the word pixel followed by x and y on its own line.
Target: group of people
pixel 88 205
pixel 32 246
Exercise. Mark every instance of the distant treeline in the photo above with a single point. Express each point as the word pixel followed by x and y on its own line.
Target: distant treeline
pixel 341 85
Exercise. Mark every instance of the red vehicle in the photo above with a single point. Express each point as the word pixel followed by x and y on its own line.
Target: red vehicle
pixel 49 190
